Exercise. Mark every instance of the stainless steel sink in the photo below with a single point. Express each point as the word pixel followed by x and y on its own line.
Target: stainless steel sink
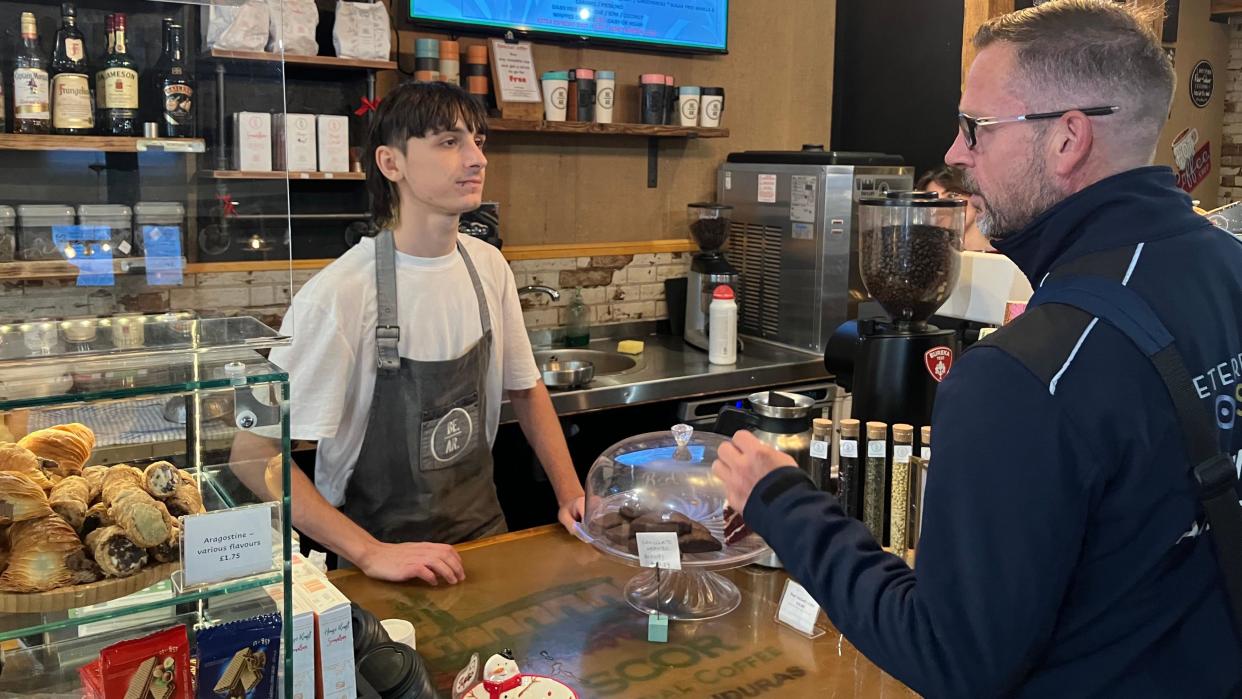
pixel 605 362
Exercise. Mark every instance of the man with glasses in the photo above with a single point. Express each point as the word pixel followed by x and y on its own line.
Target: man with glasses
pixel 1082 533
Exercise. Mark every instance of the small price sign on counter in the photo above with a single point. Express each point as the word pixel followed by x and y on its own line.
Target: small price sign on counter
pixel 225 545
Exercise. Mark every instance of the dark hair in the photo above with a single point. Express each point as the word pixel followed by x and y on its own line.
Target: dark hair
pixel 1098 48
pixel 950 178
pixel 414 110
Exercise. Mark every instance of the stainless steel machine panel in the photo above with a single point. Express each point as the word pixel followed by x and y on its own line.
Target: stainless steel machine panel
pixel 794 240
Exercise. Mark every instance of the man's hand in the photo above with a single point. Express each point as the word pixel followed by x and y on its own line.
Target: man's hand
pixel 400 562
pixel 741 464
pixel 572 512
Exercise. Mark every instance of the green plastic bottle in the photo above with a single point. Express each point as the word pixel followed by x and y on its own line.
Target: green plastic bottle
pixel 578 326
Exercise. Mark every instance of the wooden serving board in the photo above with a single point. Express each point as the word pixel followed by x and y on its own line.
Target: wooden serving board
pixel 75 596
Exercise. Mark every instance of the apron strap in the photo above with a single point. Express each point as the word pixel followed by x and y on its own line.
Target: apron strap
pixel 1213 470
pixel 485 317
pixel 387 330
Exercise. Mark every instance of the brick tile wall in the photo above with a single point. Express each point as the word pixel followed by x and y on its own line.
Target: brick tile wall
pixel 1231 151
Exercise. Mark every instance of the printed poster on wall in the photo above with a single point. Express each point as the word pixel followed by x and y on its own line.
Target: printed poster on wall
pixel 1193 162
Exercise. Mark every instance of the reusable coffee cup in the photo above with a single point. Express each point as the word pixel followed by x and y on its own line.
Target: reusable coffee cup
pixel 555 94
pixel 711 106
pixel 670 100
pixel 584 91
pixel 688 105
pixel 652 98
pixel 605 92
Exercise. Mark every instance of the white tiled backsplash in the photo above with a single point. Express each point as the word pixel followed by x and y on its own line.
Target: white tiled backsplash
pixel 617 288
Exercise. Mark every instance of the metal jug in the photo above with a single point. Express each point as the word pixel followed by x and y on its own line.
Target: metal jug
pixel 778 419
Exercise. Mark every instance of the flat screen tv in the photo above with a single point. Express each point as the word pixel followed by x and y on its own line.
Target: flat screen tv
pixel 697 26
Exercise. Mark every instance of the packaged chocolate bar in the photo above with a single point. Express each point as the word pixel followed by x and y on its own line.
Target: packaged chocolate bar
pixel 152 667
pixel 240 659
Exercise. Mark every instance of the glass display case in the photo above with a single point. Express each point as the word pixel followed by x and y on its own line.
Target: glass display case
pixel 144 488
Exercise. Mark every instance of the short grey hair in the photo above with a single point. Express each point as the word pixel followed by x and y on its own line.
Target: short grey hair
pixel 1100 50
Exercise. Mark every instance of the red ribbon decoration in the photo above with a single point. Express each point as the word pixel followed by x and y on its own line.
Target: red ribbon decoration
pixel 227 204
pixel 368 105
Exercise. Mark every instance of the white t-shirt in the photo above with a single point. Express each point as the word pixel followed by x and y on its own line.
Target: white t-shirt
pixel 332 361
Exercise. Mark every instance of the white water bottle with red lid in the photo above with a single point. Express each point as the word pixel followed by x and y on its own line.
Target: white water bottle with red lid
pixel 722 327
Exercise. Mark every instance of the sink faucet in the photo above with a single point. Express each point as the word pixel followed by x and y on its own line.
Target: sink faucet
pixel 539 289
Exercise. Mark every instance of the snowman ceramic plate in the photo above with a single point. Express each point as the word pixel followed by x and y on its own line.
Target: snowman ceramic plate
pixel 531 687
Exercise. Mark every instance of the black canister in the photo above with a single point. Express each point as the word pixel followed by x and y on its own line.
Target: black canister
pixel 583 87
pixel 652 98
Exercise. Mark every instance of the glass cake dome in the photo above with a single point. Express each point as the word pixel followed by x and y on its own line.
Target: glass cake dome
pixel 662 482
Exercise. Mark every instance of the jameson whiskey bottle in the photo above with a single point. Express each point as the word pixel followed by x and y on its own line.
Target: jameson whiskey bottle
pixel 100 99
pixel 119 95
pixel 72 112
pixel 31 106
pixel 176 88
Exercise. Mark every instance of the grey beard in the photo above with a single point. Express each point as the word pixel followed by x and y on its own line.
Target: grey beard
pixel 1012 210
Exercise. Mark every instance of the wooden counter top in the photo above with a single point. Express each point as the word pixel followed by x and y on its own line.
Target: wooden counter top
pixel 558 604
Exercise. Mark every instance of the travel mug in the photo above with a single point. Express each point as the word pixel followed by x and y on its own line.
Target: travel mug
pixel 476 73
pixel 450 62
pixel 605 89
pixel 652 98
pixel 426 60
pixel 711 106
pixel 584 92
pixel 688 105
pixel 670 100
pixel 555 94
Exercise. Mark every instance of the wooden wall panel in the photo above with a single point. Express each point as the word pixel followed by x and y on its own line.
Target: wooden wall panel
pixel 778 84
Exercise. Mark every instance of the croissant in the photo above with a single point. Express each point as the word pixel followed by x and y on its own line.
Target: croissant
pixel 70 498
pixel 117 555
pixel 19 459
pixel 68 445
pixel 161 479
pixel 21 499
pixel 140 516
pixel 94 476
pixel 40 549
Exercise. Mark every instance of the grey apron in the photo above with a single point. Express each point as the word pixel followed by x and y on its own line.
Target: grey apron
pixel 425 469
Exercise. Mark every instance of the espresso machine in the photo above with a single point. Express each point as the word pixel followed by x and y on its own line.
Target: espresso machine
pixel 709 228
pixel 910 246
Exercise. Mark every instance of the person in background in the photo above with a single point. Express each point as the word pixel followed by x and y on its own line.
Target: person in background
pixel 947 181
pixel 1067 546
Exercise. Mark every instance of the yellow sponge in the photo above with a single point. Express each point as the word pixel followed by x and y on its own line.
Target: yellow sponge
pixel 630 347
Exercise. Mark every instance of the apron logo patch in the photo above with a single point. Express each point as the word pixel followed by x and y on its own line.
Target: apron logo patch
pixel 452 435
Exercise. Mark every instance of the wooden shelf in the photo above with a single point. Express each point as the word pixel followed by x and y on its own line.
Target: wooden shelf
pixel 331 62
pixel 594 129
pixel 106 144
pixel 281 174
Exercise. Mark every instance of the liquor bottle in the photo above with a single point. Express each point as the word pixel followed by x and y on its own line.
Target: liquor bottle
pixel 99 91
pixel 176 88
pixel 119 98
pixel 152 91
pixel 72 111
pixel 31 104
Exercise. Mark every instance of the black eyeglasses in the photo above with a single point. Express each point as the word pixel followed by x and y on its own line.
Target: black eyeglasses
pixel 970 124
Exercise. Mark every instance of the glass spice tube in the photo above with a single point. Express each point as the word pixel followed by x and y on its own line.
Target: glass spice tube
pixel 919 486
pixel 821 454
pixel 876 473
pixel 849 487
pixel 899 498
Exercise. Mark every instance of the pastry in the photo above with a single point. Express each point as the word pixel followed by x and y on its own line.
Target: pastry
pixel 119 478
pixel 19 459
pixel 83 569
pixel 21 499
pixel 70 498
pixel 117 555
pixel 68 445
pixel 139 514
pixel 169 551
pixel 735 528
pixel 161 479
pixel 97 517
pixel 94 476
pixel 37 561
pixel 186 500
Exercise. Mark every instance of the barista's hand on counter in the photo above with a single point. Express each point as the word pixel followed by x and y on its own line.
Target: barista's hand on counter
pixel 420 559
pixel 743 462
pixel 572 512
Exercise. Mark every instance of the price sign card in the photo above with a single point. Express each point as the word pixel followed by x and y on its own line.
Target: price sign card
pixel 659 549
pixel 799 611
pixel 515 72
pixel 225 545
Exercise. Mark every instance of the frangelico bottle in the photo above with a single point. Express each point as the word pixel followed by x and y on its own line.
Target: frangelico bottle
pixel 175 87
pixel 32 108
pixel 119 95
pixel 72 111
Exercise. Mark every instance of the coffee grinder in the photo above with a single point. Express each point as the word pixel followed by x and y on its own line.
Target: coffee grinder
pixel 909 257
pixel 709 228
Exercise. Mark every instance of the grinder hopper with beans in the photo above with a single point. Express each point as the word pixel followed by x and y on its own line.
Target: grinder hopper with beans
pixel 909 257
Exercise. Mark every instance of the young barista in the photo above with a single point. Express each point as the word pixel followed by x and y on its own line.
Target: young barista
pixel 401 350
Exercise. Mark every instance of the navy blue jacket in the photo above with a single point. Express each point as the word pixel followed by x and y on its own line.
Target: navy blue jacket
pixel 1062 550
